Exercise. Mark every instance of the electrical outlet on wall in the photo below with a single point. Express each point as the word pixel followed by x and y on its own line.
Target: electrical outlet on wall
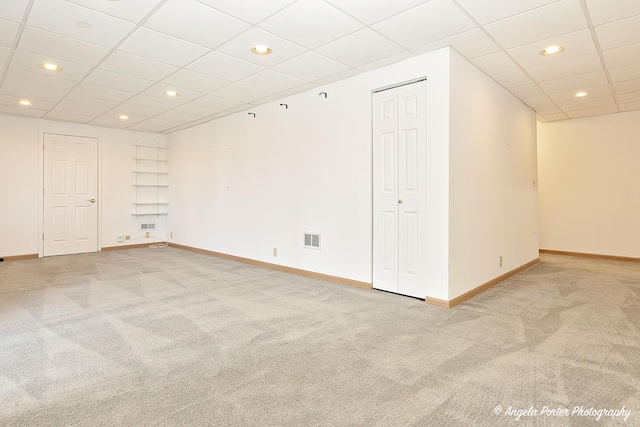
pixel 146 234
pixel 275 252
pixel 120 238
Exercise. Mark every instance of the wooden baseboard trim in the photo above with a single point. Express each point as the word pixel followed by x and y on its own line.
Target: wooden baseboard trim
pixel 473 292
pixel 298 271
pixel 587 255
pixel 136 246
pixel 20 257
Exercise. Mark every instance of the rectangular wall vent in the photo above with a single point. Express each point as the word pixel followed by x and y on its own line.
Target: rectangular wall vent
pixel 312 240
pixel 147 226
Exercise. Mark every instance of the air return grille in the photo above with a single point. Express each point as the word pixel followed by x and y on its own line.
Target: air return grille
pixel 147 226
pixel 312 240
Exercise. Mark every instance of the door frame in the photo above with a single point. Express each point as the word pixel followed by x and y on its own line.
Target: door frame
pixel 41 134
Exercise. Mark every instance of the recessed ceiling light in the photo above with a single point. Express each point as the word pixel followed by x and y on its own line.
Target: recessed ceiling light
pixel 171 93
pixel 123 117
pixel 581 94
pixel 25 102
pixel 261 50
pixel 50 67
pixel 552 50
pixel 82 24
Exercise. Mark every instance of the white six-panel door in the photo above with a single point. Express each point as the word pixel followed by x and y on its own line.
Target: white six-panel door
pixel 399 193
pixel 70 220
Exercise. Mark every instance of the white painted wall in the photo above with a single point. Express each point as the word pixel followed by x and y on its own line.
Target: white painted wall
pixel 21 181
pixel 590 185
pixel 493 201
pixel 243 185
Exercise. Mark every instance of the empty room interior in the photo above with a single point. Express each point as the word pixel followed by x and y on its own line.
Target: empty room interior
pixel 320 212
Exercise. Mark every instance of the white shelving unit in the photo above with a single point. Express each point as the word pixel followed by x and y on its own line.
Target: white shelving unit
pixel 151 173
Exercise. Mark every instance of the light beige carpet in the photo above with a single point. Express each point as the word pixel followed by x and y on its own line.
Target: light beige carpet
pixel 168 337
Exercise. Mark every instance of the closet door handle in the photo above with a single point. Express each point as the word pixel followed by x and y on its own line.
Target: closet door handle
pixel 399 201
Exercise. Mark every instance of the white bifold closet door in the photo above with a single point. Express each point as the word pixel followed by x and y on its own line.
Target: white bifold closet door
pixel 399 189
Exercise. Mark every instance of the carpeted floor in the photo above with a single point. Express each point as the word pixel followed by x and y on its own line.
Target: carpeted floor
pixel 166 337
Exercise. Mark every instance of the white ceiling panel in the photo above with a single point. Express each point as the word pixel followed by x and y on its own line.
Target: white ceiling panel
pixel 537 101
pixel 38 81
pixel 603 11
pixel 340 76
pixel 192 21
pixel 154 103
pixel 30 62
pixel 311 23
pixel 579 81
pixel 225 67
pixel 594 92
pixel 424 24
pixel 60 17
pixel 364 11
pixel 621 56
pixel 276 82
pixel 566 68
pixel 100 92
pixel 575 44
pixel 216 102
pixel 588 103
pixel 22 111
pixel 80 105
pixel 67 117
pixel 490 11
pixel 555 116
pixel 159 89
pixel 629 107
pixel 177 117
pixel 197 111
pixel 251 11
pixel 4 55
pixel 112 120
pixel 360 48
pixel 385 61
pixel 37 104
pixel 130 10
pixel 619 33
pixel 161 47
pixel 471 44
pixel 45 43
pixel 240 48
pixel 117 81
pixel 136 66
pixel 13 10
pixel 154 125
pixel 626 87
pixel 512 78
pixel 526 91
pixel 241 93
pixel 592 112
pixel 562 17
pixel 8 32
pixel 139 110
pixel 628 72
pixel 51 93
pixel 495 63
pixel 310 66
pixel 627 98
pixel 195 81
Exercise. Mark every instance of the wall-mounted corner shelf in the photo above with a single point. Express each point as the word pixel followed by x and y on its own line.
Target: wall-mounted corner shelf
pixel 150 180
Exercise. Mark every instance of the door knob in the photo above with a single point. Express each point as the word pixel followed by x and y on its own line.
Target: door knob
pixel 91 200
pixel 399 201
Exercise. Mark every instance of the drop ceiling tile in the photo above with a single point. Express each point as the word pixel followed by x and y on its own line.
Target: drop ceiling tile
pixel 629 107
pixel 495 63
pixel 541 119
pixel 159 89
pixel 386 61
pixel 555 116
pixel 588 103
pixel 100 92
pixel 196 23
pixel 424 24
pixel 154 125
pixel 13 10
pixel 270 98
pixel 360 48
pixel 38 81
pixel 310 66
pixel 240 48
pixel 12 100
pixel 139 110
pixel 628 72
pixel 575 44
pixel 566 68
pixel 161 47
pixel 8 32
pixel 364 11
pixel 619 33
pixel 177 117
pixel 471 44
pixel 603 11
pixel 30 62
pixel 51 93
pixel 83 106
pixel 22 111
pixel 627 98
pixel 307 22
pixel 621 56
pixel 136 66
pixel 45 43
pixel 152 103
pixel 4 55
pixel 340 76
pixel 271 81
pixel 215 102
pixel 557 18
pixel 241 93
pixel 547 109
pixel 60 17
pixel 112 120
pixel 537 101
pixel 195 81
pixel 248 10
pixel 132 10
pixel 196 110
pixel 526 91
pixel 593 112
pixel 490 11
pixel 578 81
pixel 627 86
pixel 67 117
pixel 225 67
pixel 297 90
pixel 512 78
pixel 593 91
pixel 116 81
